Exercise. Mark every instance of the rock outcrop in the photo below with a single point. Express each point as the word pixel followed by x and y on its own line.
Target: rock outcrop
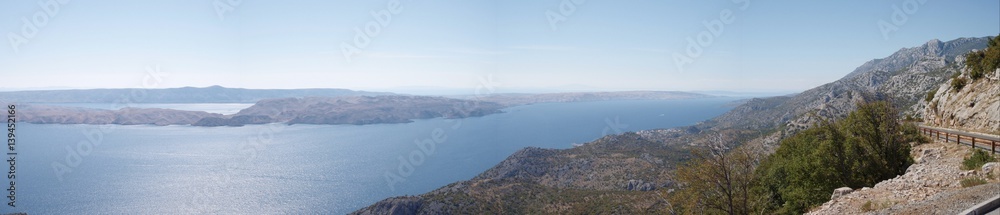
pixel 837 193
pixel 975 107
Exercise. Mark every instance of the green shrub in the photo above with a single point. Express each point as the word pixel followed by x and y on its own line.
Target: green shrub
pixel 978 158
pixel 982 62
pixel 930 95
pixel 912 134
pixel 867 207
pixel 958 83
pixel 972 182
pixel 974 62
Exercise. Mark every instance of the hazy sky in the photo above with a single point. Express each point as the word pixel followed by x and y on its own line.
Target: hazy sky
pixel 596 44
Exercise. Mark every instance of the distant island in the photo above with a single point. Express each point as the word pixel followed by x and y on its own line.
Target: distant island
pixel 357 110
pixel 295 106
pixel 46 114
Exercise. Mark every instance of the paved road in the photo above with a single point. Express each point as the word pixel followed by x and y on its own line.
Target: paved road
pixel 967 142
pixel 967 134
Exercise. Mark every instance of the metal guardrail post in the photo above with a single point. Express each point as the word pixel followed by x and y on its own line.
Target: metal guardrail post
pixel 958 139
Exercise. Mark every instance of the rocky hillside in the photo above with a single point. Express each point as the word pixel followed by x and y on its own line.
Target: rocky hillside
pixel 975 107
pixel 970 101
pixel 904 77
pixel 932 185
pixel 554 181
pixel 617 173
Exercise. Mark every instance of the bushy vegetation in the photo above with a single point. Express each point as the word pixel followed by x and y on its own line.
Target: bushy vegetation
pixel 984 61
pixel 874 206
pixel 971 182
pixel 869 146
pixel 978 158
pixel 930 95
pixel 912 134
pixel 958 83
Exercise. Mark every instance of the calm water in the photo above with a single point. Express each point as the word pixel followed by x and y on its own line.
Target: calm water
pixel 300 168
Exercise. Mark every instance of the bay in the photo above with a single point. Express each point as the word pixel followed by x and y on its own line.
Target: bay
pixel 276 168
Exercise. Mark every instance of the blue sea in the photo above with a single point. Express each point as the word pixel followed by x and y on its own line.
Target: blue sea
pixel 276 168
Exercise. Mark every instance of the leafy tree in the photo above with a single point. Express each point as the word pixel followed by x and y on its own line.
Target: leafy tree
pixel 974 61
pixel 868 146
pixel 985 61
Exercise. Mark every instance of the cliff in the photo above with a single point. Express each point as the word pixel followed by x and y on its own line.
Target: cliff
pixel 975 107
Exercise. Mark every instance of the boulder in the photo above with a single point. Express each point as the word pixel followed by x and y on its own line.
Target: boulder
pixel 639 185
pixel 837 193
pixel 991 167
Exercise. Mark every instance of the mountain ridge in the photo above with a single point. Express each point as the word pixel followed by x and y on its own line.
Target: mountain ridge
pixel 212 94
pixel 759 123
pixel 344 109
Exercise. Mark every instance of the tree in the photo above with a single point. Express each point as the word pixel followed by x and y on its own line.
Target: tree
pixel 982 62
pixel 866 147
pixel 874 127
pixel 718 182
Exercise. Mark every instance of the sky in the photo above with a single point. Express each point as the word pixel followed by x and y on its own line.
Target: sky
pixel 463 45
